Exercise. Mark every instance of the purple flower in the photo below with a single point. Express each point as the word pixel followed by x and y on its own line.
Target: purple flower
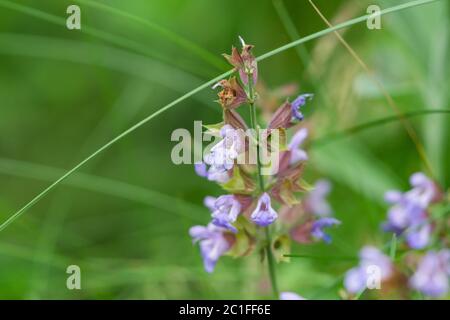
pixel 212 243
pixel 290 296
pixel 299 102
pixel 432 275
pixel 263 215
pixel 218 174
pixel 214 173
pixel 423 191
pixel 318 226
pixel 223 154
pixel 209 202
pixel 225 211
pixel 298 154
pixel 201 169
pixel 356 278
pixel 418 236
pixel 316 202
pixel 408 212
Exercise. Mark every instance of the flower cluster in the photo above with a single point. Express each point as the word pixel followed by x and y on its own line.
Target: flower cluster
pixel 253 201
pixel 418 219
pixel 409 212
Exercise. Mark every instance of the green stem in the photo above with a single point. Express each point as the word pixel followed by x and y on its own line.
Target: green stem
pixel 271 265
pixel 258 161
pixel 254 124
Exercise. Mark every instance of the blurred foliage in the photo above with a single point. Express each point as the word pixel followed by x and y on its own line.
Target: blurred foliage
pixel 124 221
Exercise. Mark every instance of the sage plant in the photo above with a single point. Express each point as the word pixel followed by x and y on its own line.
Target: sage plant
pixel 261 209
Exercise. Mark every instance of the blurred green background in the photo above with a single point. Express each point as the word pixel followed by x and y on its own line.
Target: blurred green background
pixel 124 218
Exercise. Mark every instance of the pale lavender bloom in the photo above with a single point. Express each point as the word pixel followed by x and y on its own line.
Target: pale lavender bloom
pixel 316 202
pixel 318 226
pixel 432 275
pixel 225 212
pixel 418 236
pixel 408 213
pixel 263 215
pixel 299 102
pixel 356 278
pixel 290 296
pixel 218 174
pixel 423 191
pixel 209 202
pixel 214 173
pixel 201 169
pixel 212 244
pixel 222 155
pixel 298 154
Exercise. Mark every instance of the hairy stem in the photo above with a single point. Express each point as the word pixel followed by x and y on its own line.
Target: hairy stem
pixel 254 124
pixel 271 265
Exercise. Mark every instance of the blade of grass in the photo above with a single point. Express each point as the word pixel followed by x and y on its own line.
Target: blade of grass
pixel 332 258
pixel 193 92
pixel 393 248
pixel 360 294
pixel 166 33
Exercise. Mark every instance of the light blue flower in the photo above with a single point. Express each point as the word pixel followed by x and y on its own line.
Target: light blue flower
pixel 201 169
pixel 299 102
pixel 432 275
pixel 408 213
pixel 298 154
pixel 222 155
pixel 212 244
pixel 225 212
pixel 356 279
pixel 316 202
pixel 264 214
pixel 209 202
pixel 320 224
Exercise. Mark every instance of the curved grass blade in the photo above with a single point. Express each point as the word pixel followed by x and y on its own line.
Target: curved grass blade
pixel 168 34
pixel 193 92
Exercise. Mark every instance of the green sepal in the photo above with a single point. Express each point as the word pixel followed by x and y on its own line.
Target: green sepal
pixel 244 239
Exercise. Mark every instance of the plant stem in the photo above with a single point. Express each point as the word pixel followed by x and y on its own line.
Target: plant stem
pixel 271 265
pixel 268 249
pixel 258 161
